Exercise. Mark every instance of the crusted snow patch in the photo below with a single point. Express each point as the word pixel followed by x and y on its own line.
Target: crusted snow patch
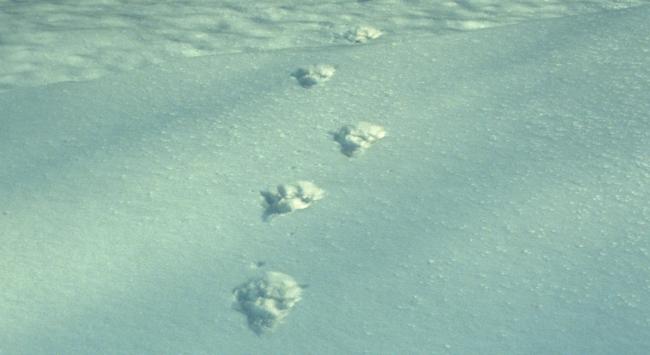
pixel 291 197
pixel 355 139
pixel 362 34
pixel 315 74
pixel 267 300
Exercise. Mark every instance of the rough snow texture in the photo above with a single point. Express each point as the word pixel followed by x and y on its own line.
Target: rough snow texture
pixel 291 197
pixel 508 213
pixel 313 75
pixel 356 139
pixel 52 41
pixel 267 300
pixel 363 34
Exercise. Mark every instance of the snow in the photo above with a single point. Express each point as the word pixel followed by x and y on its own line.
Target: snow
pixel 355 139
pixel 267 300
pixel 291 197
pixel 506 212
pixel 314 75
pixel 43 42
pixel 363 34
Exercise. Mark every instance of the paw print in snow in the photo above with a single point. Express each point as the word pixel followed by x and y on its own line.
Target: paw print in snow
pixel 355 139
pixel 363 34
pixel 267 300
pixel 313 75
pixel 291 197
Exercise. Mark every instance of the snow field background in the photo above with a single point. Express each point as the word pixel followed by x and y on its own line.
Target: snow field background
pixel 44 42
pixel 506 212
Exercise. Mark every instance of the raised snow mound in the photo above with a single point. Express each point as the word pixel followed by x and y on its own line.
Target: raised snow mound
pixel 291 197
pixel 356 139
pixel 362 34
pixel 313 75
pixel 267 300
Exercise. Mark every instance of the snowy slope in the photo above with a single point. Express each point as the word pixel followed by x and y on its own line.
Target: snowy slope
pixel 505 212
pixel 44 42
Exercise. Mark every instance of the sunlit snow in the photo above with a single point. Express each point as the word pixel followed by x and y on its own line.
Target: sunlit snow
pixel 500 207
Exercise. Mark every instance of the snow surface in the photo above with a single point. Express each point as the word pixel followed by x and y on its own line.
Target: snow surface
pixel 45 42
pixel 267 300
pixel 363 34
pixel 291 197
pixel 314 75
pixel 507 213
pixel 355 139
